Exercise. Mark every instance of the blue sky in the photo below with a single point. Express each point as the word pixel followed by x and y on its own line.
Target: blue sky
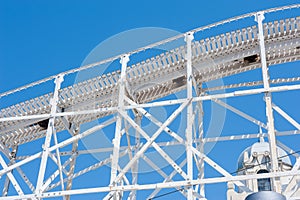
pixel 43 38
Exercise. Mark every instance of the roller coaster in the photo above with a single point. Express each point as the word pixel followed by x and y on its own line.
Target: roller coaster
pixel 120 102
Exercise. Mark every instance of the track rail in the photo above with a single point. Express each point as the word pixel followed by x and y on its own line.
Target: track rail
pixel 126 94
pixel 213 58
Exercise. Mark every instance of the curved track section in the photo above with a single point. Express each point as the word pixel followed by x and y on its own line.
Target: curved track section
pixel 231 53
pixel 121 99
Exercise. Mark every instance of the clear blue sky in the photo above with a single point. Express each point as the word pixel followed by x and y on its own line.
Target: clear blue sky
pixel 43 38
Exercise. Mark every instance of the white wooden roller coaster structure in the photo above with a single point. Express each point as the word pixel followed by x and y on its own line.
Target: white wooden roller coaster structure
pixel 122 99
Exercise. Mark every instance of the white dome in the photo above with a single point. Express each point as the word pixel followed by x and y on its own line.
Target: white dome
pixel 261 148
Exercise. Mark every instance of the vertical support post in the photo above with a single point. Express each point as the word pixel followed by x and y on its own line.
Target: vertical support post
pixel 6 186
pixel 12 156
pixel 74 131
pixel 259 17
pixel 132 195
pixel 59 163
pixel 50 129
pixel 189 128
pixel 116 140
pixel 201 143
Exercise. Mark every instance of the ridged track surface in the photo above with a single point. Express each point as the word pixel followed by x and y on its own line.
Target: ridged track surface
pixel 156 77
